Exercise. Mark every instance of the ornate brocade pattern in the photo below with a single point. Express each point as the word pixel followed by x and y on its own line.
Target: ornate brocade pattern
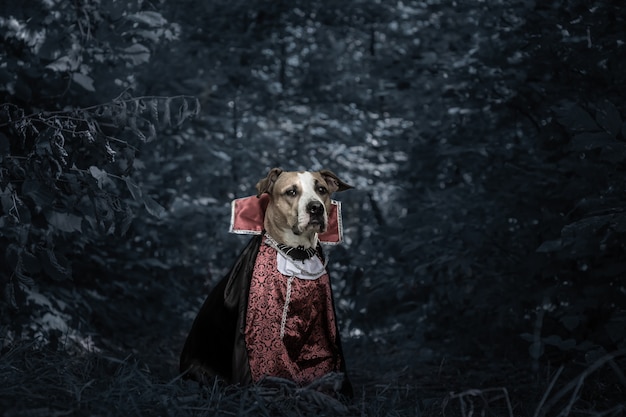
pixel 308 349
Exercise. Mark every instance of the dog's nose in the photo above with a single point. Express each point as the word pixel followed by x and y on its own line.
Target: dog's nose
pixel 315 207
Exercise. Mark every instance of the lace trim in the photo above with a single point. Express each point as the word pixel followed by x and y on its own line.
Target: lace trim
pixel 283 321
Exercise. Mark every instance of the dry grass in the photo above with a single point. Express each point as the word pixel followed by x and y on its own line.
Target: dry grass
pixel 36 382
pixel 40 382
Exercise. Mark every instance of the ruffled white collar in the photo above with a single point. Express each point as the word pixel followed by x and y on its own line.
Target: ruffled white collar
pixel 312 268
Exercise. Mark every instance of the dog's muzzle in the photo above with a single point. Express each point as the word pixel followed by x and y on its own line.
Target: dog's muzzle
pixel 316 212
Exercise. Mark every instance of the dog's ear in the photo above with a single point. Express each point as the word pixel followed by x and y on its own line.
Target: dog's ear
pixel 266 184
pixel 333 181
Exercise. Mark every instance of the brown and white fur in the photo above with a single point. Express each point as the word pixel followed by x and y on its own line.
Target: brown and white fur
pixel 299 204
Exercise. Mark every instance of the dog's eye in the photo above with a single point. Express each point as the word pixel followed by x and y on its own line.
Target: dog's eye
pixel 322 190
pixel 291 192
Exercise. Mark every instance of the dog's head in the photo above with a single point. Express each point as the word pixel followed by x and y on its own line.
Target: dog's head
pixel 299 202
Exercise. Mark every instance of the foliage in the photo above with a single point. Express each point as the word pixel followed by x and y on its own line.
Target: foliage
pixel 56 50
pixel 577 176
pixel 66 171
pixel 522 161
pixel 58 190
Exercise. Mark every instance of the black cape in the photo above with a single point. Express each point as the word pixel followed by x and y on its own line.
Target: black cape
pixel 215 346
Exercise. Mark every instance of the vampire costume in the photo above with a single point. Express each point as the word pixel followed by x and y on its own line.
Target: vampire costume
pixel 272 314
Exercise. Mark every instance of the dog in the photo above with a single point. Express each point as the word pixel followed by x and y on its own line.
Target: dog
pixel 273 314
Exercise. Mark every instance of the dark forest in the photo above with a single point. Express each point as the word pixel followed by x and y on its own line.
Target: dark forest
pixel 484 263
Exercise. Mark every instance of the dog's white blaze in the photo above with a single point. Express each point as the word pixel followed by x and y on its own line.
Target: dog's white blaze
pixel 308 188
pixel 307 182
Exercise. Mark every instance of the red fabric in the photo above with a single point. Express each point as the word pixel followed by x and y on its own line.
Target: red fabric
pixel 309 348
pixel 248 214
pixel 334 232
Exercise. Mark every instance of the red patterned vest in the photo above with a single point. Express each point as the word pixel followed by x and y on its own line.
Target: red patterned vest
pixel 290 329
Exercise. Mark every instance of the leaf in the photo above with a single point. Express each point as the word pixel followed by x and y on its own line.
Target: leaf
pixel 550 246
pixel 51 265
pixel 132 122
pixel 110 152
pixel 84 81
pixel 21 277
pixel 137 54
pixel 527 337
pixel 183 112
pixel 9 295
pixel 30 263
pixel 140 135
pixel 18 210
pixel 100 175
pixel 557 341
pixel 126 221
pixel 222 155
pixel 591 140
pixel 152 263
pixel 616 327
pixel 87 136
pixel 609 118
pixel 6 199
pixel 5 145
pixel 614 152
pixel 535 350
pixel 570 322
pixel 586 227
pixel 150 34
pixel 41 195
pixel 153 105
pixel 619 223
pixel 152 19
pixel 134 189
pixel 57 143
pixel 65 222
pixel 64 64
pixel 575 118
pixel 197 107
pixel 167 121
pixel 153 207
pixel 121 116
pixel 12 255
pixel 151 133
pixel 23 90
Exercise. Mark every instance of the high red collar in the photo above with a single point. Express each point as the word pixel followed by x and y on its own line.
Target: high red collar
pixel 248 213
